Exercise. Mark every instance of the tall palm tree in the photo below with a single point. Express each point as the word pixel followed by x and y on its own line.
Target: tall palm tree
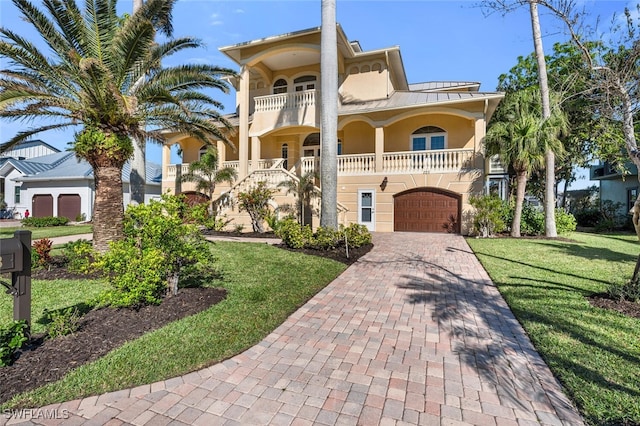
pixel 329 116
pixel 86 80
pixel 206 175
pixel 521 137
pixel 549 156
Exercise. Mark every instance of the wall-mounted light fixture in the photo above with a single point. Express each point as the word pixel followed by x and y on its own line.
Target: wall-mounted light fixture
pixel 383 185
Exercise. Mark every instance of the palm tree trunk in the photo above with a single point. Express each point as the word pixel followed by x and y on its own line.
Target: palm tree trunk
pixel 108 207
pixel 329 114
pixel 550 158
pixel 521 185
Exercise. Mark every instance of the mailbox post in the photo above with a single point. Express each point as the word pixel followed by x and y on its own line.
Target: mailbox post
pixel 15 257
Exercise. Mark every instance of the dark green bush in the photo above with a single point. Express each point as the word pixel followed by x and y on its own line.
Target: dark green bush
pixel 12 337
pixel 41 222
pixel 629 291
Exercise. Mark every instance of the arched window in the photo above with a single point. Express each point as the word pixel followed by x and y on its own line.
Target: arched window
pixel 284 153
pixel 280 86
pixel 428 137
pixel 306 82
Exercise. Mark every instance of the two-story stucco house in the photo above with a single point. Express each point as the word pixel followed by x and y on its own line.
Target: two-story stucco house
pixel 409 155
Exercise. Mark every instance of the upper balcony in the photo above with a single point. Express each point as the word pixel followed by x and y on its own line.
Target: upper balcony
pixel 285 109
pixel 607 171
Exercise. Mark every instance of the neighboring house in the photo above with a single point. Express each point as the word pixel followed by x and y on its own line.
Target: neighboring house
pixel 59 184
pixel 409 155
pixel 616 187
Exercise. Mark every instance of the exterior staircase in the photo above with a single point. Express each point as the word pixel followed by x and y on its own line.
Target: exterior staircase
pixel 272 175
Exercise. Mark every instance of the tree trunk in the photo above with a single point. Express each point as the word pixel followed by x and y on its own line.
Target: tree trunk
pixel 108 213
pixel 521 185
pixel 329 116
pixel 550 158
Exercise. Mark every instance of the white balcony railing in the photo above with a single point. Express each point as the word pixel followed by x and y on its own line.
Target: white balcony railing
pixel 283 101
pixel 436 161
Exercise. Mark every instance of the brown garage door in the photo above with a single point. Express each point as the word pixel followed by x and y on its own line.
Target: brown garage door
pixel 69 206
pixel 426 210
pixel 42 205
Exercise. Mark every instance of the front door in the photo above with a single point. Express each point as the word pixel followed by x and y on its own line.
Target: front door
pixel 366 208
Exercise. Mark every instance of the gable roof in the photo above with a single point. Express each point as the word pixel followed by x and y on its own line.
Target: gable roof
pixel 26 145
pixel 64 166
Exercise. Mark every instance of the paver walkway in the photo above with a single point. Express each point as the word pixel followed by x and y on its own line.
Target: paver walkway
pixel 413 333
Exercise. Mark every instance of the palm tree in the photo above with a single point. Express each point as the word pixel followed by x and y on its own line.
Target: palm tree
pixel 304 190
pixel 550 159
pixel 521 137
pixel 206 175
pixel 93 78
pixel 329 116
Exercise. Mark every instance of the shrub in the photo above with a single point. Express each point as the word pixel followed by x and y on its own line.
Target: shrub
pixel 327 238
pixel 41 222
pixel 157 245
pixel 565 222
pixel 293 234
pixel 589 217
pixel 62 322
pixel 629 291
pixel 41 253
pixel 296 236
pixel 12 337
pixel 489 215
pixel 80 256
pixel 357 235
pixel 81 217
pixel 256 202
pixel 199 214
pixel 532 221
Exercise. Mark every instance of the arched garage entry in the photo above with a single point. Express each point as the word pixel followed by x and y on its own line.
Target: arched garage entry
pixel 427 210
pixel 69 206
pixel 193 198
pixel 42 205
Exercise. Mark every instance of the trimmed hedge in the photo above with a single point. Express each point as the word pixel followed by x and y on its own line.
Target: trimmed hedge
pixel 41 222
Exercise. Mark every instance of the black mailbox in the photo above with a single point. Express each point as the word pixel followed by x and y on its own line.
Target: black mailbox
pixel 11 252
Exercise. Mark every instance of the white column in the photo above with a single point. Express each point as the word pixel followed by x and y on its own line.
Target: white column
pixel 379 140
pixel 243 148
pixel 222 152
pixel 166 160
pixel 255 152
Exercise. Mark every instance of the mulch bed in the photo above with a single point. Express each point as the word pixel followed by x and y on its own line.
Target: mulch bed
pixel 102 330
pixel 631 309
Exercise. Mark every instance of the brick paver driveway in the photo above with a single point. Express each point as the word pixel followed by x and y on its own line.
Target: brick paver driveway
pixel 413 333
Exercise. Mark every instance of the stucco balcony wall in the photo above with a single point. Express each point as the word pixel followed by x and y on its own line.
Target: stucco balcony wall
pixel 286 109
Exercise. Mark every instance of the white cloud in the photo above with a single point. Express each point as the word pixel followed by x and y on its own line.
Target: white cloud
pixel 238 11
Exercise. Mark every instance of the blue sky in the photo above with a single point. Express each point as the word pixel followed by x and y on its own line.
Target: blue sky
pixel 439 40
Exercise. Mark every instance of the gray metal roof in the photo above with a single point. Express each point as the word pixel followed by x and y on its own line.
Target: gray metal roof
pixel 399 100
pixel 444 85
pixel 66 166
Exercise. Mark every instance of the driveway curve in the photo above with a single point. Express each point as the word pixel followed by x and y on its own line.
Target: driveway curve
pixel 414 332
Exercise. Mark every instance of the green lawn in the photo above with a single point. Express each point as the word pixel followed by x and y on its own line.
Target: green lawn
pixel 48 232
pixel 594 352
pixel 265 285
